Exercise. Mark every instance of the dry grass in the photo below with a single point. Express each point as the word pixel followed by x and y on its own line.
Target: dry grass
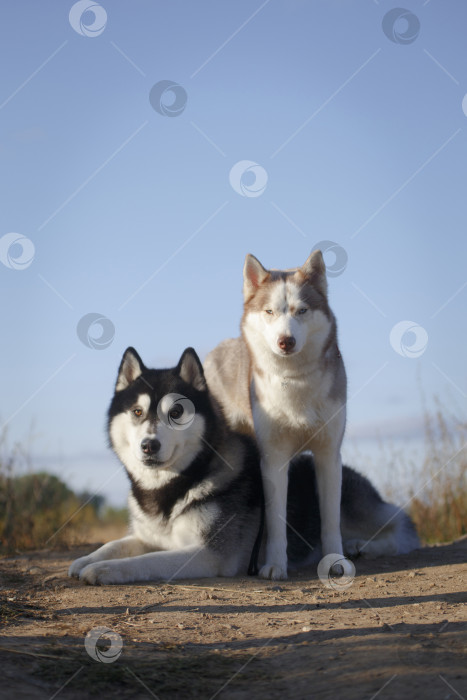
pixel 38 509
pixel 439 507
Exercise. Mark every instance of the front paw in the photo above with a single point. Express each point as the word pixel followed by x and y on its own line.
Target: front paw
pixel 274 572
pixel 78 565
pixel 102 573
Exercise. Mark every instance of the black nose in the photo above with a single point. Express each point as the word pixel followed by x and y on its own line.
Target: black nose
pixel 150 446
pixel 286 343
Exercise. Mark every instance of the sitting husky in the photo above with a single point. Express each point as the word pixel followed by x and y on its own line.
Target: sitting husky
pixel 196 493
pixel 284 381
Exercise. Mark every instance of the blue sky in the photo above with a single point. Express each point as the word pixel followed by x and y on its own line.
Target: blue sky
pixel 124 212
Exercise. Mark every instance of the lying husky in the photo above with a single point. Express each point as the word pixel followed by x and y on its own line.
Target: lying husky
pixel 196 493
pixel 284 381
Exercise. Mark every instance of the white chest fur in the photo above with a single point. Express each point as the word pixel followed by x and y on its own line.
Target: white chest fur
pixel 295 401
pixel 176 532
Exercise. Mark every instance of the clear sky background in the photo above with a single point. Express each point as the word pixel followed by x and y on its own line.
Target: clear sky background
pixel 355 117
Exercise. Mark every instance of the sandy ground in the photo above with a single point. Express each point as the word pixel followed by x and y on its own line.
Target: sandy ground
pixel 399 631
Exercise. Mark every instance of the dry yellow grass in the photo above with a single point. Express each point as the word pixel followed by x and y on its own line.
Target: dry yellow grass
pixel 38 509
pixel 440 509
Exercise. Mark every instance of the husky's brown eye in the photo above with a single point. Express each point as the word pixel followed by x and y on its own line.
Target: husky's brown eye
pixel 268 311
pixel 138 412
pixel 176 411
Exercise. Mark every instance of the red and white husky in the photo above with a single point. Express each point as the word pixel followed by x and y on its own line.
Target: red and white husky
pixel 284 381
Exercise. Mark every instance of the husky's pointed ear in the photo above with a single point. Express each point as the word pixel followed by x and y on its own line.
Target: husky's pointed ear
pixel 131 367
pixel 191 370
pixel 254 275
pixel 314 270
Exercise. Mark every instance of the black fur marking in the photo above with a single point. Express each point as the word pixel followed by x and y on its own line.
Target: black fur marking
pixel 161 501
pixel 303 515
pixel 246 490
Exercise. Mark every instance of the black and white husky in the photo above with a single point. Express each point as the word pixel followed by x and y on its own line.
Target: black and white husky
pixel 196 492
